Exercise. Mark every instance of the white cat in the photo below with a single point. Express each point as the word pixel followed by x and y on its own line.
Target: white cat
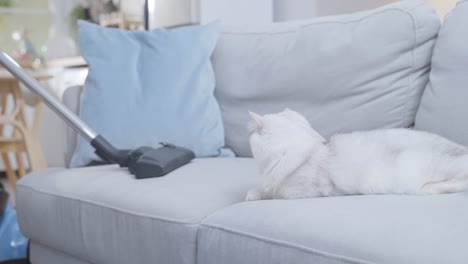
pixel 297 162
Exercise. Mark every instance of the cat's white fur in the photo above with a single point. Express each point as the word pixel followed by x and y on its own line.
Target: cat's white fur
pixel 297 162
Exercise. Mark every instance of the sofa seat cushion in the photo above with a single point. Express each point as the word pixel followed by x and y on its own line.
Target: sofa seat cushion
pixel 103 215
pixel 355 229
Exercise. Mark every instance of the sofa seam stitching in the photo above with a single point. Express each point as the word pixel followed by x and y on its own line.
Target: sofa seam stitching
pixel 287 244
pixel 311 24
pixel 461 3
pixel 412 67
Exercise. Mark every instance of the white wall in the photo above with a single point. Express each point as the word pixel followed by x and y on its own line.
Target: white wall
pixel 302 9
pixel 170 13
pixel 443 7
pixel 236 11
pixel 177 12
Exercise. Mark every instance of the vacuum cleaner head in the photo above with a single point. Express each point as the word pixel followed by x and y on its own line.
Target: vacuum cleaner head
pixel 144 162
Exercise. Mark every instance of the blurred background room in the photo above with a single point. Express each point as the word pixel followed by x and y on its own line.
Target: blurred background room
pixel 42 35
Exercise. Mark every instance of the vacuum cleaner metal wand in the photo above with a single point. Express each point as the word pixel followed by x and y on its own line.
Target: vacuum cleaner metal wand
pixel 103 148
pixel 15 69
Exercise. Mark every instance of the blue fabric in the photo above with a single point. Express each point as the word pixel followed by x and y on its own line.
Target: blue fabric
pixel 13 245
pixel 145 87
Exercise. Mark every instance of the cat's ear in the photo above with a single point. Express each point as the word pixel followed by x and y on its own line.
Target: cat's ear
pixel 257 121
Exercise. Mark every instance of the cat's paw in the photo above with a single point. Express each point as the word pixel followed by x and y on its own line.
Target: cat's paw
pixel 254 195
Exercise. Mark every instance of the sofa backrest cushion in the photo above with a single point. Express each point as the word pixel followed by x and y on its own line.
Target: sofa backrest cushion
pixel 444 106
pixel 344 73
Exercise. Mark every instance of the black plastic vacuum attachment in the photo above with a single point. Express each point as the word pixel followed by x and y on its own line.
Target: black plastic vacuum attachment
pixel 144 162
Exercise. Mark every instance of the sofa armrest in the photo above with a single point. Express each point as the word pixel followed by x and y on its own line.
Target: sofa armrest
pixel 71 99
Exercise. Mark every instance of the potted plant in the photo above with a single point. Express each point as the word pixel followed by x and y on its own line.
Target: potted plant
pixel 5 3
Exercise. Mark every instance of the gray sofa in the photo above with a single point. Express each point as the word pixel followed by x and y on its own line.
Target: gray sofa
pixel 361 71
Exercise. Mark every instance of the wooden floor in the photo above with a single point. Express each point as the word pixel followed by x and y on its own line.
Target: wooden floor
pixel 16 262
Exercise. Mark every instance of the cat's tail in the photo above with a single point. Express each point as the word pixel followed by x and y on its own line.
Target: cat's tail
pixel 453 182
pixel 447 186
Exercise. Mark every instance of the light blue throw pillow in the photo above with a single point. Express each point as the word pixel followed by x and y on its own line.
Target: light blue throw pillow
pixel 147 87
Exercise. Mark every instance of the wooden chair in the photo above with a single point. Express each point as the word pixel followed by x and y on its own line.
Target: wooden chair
pixel 22 137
